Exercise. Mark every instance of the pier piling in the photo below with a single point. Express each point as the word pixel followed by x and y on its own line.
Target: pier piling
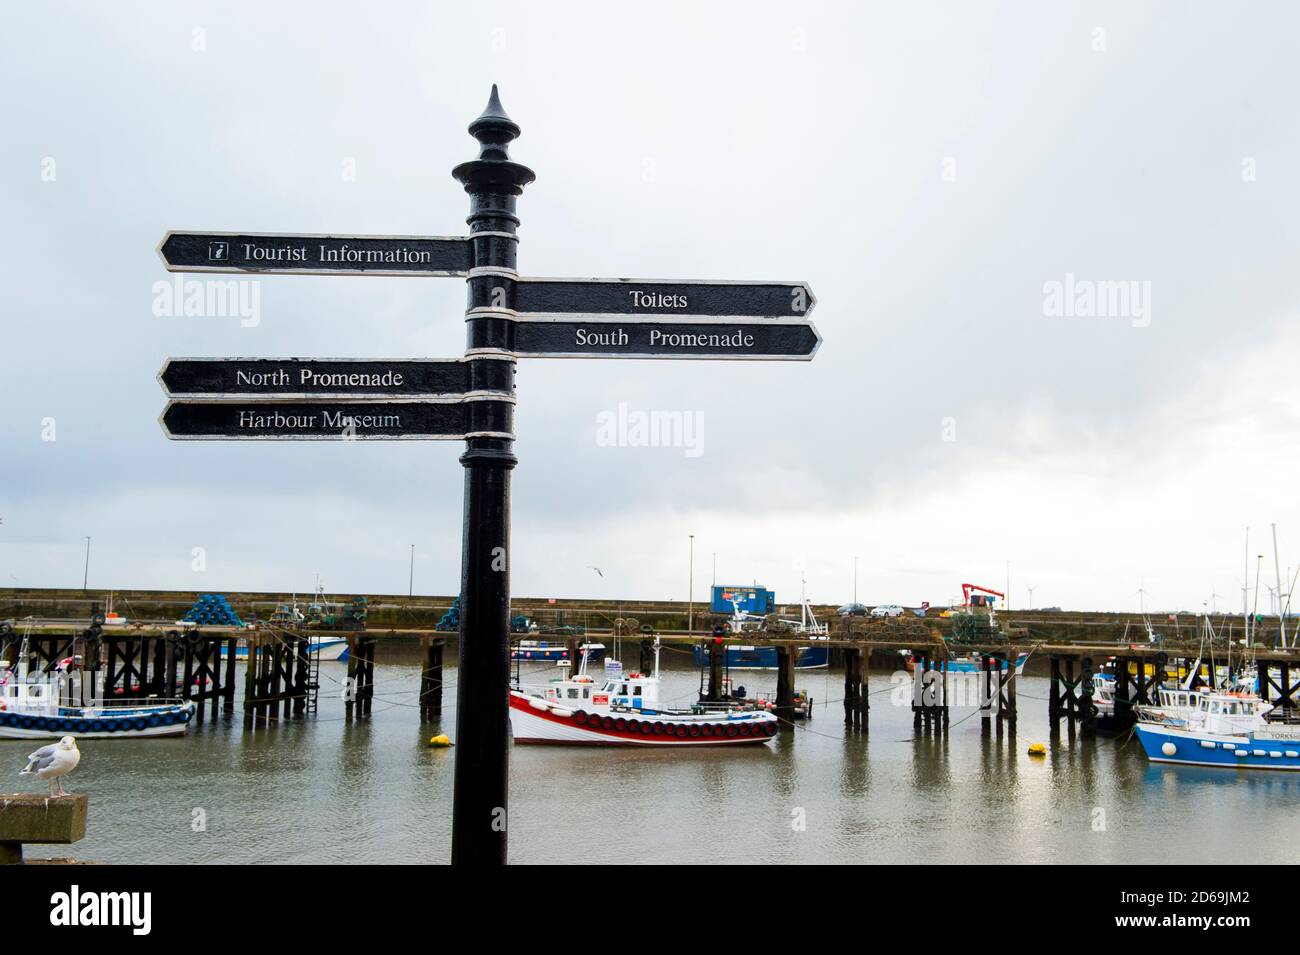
pixel 785 660
pixel 855 701
pixel 431 679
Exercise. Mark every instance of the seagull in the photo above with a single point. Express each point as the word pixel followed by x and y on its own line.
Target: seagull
pixel 596 569
pixel 53 762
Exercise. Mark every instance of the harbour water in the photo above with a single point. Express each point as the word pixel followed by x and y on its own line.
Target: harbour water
pixel 323 790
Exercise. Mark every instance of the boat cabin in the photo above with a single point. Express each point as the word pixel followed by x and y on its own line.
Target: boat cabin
pixel 631 691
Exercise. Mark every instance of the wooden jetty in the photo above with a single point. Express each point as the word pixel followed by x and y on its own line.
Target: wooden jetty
pixel 151 660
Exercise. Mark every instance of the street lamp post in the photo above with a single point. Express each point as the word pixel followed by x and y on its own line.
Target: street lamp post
pixel 410 587
pixel 690 590
pixel 855 580
pixel 85 574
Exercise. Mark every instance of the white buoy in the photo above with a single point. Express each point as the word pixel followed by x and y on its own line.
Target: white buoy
pixel 1169 749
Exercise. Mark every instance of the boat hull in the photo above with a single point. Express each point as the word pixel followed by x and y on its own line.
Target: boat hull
pixel 553 653
pixel 764 658
pixel 130 723
pixel 1165 744
pixel 330 650
pixel 529 724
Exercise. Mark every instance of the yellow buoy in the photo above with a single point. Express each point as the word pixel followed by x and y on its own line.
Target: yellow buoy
pixel 1037 749
pixel 440 740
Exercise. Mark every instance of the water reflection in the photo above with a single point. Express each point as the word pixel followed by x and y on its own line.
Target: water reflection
pixel 327 790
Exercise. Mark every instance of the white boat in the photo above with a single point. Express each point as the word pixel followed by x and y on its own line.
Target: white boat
pixel 53 705
pixel 624 710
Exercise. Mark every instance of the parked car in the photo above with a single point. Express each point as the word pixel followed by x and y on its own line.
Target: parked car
pixel 887 610
pixel 853 610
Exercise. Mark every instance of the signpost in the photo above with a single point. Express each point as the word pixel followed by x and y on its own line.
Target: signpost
pixel 470 398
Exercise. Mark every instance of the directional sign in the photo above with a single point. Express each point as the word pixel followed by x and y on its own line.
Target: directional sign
pixel 605 337
pixel 315 377
pixel 408 419
pixel 316 254
pixel 682 299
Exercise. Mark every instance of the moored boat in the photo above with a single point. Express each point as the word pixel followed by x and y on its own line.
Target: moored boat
pixel 54 704
pixel 1225 729
pixel 542 651
pixel 624 710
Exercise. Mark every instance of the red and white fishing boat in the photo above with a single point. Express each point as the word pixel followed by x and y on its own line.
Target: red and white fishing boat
pixel 623 710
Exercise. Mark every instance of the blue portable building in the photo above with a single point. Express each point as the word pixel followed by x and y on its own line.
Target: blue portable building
pixel 753 599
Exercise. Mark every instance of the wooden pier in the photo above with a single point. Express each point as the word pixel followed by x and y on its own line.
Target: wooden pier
pixel 153 661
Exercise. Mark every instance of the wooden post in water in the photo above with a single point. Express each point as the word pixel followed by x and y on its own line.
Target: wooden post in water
pixel 302 667
pixel 785 658
pixel 920 660
pixel 274 660
pixel 250 681
pixel 1008 709
pixel 350 690
pixel 986 693
pixel 1123 695
pixel 852 688
pixel 1087 710
pixel 718 653
pixel 647 660
pixel 431 679
pixel 228 687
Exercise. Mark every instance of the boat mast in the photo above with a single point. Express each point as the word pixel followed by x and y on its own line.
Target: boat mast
pixel 1277 574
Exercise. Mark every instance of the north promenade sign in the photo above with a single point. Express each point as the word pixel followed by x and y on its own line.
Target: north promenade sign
pixel 315 377
pixel 472 397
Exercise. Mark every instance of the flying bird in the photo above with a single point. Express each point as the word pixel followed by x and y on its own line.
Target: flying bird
pixel 596 569
pixel 53 762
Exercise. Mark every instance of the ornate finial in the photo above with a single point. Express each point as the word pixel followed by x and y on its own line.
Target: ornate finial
pixel 494 129
pixel 493 169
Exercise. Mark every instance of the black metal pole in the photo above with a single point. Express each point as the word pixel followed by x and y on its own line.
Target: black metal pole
pixel 480 810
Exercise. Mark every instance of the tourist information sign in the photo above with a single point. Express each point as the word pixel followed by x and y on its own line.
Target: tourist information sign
pixel 315 254
pixel 508 317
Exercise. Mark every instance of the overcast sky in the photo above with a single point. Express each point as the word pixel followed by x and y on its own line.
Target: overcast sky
pixel 930 170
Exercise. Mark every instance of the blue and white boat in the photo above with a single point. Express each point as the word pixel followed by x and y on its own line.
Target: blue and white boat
pixel 1220 729
pixel 973 664
pixel 764 658
pixel 62 703
pixel 542 651
pixel 329 648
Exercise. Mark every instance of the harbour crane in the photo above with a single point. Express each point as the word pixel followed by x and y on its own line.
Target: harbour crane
pixel 968 589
